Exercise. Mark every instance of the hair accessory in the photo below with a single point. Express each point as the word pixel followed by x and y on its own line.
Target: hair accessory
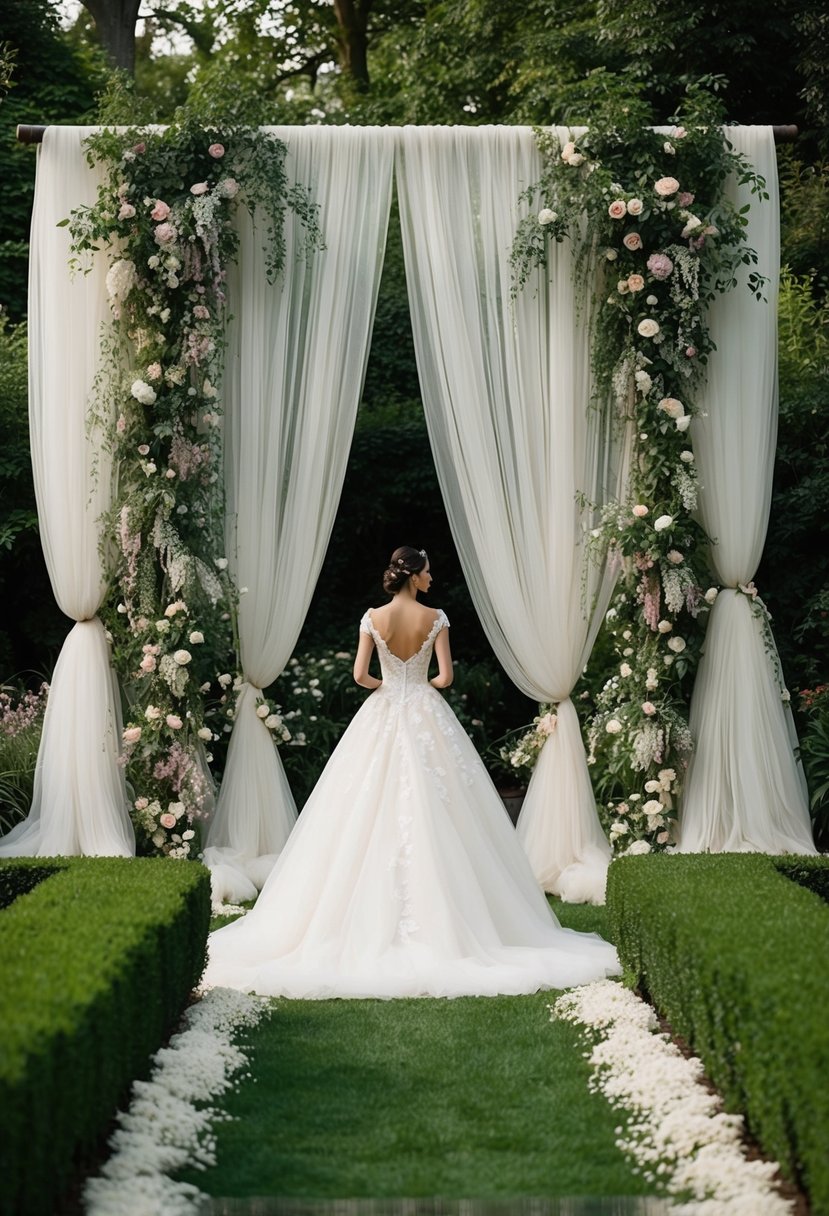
pixel 422 552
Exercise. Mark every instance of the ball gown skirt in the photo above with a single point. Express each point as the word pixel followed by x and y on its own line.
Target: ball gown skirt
pixel 403 876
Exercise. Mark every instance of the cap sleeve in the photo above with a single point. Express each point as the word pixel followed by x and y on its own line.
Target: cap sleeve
pixel 365 624
pixel 443 620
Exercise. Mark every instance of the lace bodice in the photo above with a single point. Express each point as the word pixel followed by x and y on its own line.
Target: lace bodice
pixel 401 678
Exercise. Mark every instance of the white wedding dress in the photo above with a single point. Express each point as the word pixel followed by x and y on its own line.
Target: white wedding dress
pixel 403 876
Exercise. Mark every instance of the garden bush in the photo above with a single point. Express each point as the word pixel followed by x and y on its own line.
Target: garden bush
pixel 97 963
pixel 736 957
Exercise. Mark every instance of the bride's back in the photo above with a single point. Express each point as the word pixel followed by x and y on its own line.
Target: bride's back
pixel 404 625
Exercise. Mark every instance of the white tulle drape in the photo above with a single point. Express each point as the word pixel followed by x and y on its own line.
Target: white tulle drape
pixel 295 366
pixel 80 802
pixel 745 788
pixel 506 389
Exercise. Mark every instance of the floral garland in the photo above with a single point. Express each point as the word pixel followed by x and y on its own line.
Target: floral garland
pixel 164 214
pixel 521 753
pixel 654 231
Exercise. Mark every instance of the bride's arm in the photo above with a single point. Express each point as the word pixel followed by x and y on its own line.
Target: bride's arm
pixel 361 673
pixel 443 654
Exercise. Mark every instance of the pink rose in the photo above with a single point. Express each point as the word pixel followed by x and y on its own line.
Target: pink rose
pixel 617 209
pixel 666 186
pixel 216 151
pixel 154 371
pixel 685 198
pixel 672 407
pixel 679 132
pixel 635 206
pixel 143 449
pixel 126 212
pixel 660 265
pixel 632 241
pixel 228 187
pixel 167 820
pixel 199 188
pixel 640 510
pixel 201 313
pixel 165 234
pixel 174 722
pixel 648 708
pixel 139 148
pixel 148 663
pixel 160 211
pixel 132 734
pixel 635 282
pixel 690 351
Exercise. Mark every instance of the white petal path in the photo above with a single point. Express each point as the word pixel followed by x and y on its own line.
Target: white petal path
pixel 675 1129
pixel 168 1125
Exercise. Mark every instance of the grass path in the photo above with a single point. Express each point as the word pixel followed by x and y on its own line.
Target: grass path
pixel 473 1097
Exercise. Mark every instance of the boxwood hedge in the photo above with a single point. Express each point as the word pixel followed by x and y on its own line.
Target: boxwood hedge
pixel 733 949
pixel 97 961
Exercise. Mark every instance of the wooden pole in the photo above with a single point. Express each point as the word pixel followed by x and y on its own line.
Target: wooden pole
pixel 34 134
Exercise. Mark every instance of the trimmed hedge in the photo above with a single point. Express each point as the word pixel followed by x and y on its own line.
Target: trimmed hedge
pixel 736 957
pixel 97 963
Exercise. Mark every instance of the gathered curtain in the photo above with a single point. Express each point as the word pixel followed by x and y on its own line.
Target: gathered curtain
pixel 745 788
pixel 296 358
pixel 507 392
pixel 80 801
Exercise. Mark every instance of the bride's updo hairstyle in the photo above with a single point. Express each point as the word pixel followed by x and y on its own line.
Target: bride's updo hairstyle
pixel 404 562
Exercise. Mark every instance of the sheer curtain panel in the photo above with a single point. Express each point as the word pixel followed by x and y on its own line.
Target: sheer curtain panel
pixel 295 366
pixel 745 789
pixel 506 388
pixel 80 802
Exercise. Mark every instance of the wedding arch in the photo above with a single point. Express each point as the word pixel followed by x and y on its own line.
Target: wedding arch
pixel 523 464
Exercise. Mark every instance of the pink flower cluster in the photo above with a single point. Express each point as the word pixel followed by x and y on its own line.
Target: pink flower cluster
pixel 26 712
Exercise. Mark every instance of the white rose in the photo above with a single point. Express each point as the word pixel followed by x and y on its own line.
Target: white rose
pixel 652 787
pixel 120 279
pixel 611 255
pixel 664 627
pixel 638 848
pixel 664 521
pixel 613 726
pixel 683 423
pixel 575 159
pixel 625 670
pixel 220 563
pixel 647 328
pixel 273 722
pixel 205 733
pixel 263 711
pixel 676 644
pixel 546 216
pixel 182 657
pixel 675 557
pixel 711 594
pixel 143 392
pixel 635 206
pixel 651 301
pixel 653 806
pixel 152 713
pixel 224 679
pixel 568 150
pixel 686 457
pixel 196 638
pixel 691 223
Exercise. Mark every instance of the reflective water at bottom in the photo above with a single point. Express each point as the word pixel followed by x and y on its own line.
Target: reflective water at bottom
pixel 623 1205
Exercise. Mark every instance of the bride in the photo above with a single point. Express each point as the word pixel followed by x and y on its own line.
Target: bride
pixel 403 876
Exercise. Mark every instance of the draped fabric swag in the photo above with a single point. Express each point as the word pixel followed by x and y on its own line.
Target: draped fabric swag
pixel 80 801
pixel 745 789
pixel 506 387
pixel 296 360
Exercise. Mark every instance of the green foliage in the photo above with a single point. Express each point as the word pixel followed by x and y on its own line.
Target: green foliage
pixel 98 961
pixel 31 625
pixel 21 722
pixel 804 217
pixel 794 573
pixel 52 81
pixel 814 752
pixel 736 957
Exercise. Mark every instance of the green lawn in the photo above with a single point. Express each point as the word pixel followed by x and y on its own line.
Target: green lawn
pixel 476 1097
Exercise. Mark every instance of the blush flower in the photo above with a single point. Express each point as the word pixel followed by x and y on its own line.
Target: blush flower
pixel 160 211
pixel 199 188
pixel 648 708
pixel 660 265
pixel 672 407
pixel 174 722
pixel 217 151
pixel 647 328
pixel 675 557
pixel 632 241
pixel 617 209
pixel 165 234
pixel 182 657
pixel 635 282
pixel 666 186
pixel 613 726
pixel 167 820
pixel 131 734
pixel 635 206
pixel 640 510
